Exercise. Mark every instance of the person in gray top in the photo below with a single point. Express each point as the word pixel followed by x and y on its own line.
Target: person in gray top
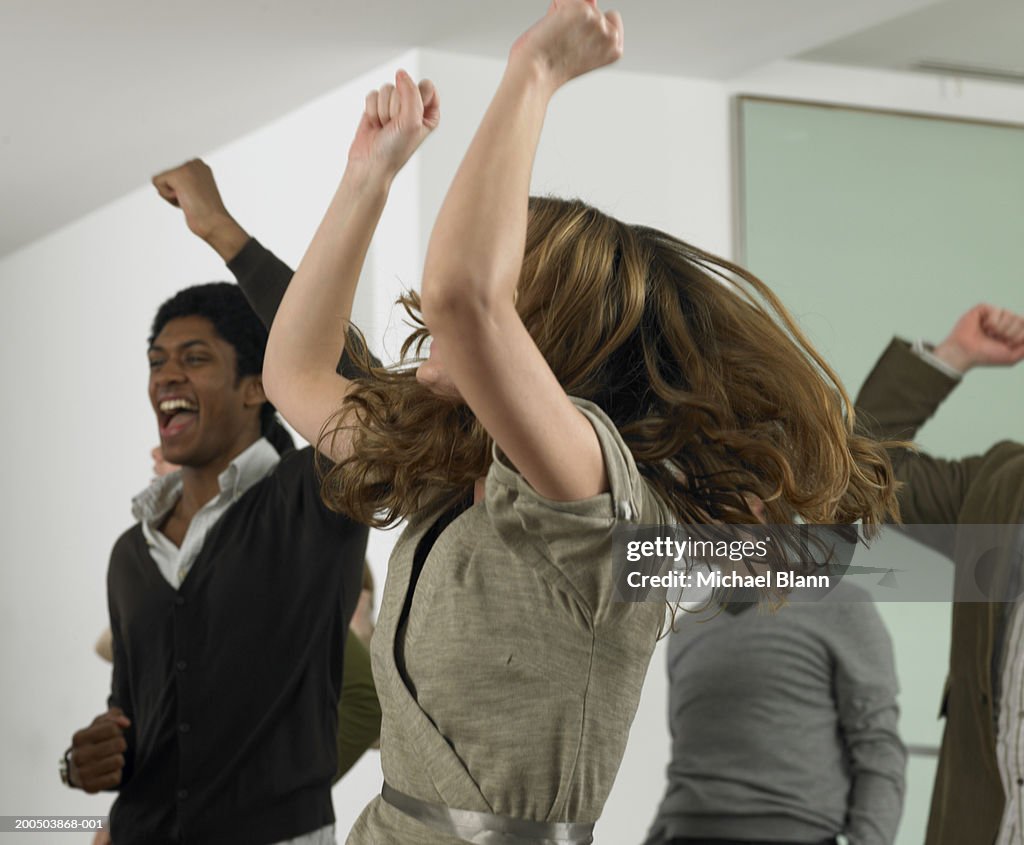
pixel 783 726
pixel 583 373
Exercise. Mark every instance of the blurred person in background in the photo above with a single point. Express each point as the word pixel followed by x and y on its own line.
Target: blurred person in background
pixel 784 726
pixel 977 797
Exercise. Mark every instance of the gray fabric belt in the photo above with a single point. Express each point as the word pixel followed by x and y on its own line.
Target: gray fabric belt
pixel 487 828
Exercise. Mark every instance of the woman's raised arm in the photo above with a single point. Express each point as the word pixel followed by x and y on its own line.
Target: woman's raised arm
pixel 476 252
pixel 309 329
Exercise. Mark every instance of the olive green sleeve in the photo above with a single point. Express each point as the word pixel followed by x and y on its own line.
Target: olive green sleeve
pixel 899 395
pixel 358 708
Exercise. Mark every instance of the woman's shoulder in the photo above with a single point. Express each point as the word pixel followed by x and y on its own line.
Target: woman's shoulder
pixel 636 498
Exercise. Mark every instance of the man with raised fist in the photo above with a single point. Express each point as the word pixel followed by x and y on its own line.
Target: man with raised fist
pixel 229 603
pixel 977 793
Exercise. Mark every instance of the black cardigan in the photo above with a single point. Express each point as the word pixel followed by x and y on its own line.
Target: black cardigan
pixel 232 681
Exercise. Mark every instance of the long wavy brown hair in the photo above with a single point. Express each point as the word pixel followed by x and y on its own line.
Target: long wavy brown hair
pixel 715 390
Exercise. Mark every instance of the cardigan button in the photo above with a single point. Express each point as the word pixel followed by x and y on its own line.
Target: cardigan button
pixel 184 727
pixel 181 665
pixel 180 600
pixel 182 794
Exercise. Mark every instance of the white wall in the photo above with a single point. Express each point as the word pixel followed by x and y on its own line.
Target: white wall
pixel 648 149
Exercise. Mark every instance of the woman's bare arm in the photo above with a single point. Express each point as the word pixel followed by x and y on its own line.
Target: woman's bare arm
pixel 476 252
pixel 308 333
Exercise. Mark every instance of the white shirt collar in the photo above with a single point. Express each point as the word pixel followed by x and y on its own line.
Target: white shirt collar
pixel 249 467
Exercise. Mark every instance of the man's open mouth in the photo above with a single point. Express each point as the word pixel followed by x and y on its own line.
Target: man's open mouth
pixel 175 415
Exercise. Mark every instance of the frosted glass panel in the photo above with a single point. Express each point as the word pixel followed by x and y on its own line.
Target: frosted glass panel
pixel 871 224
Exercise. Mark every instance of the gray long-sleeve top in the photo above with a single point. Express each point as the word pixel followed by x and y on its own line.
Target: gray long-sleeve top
pixel 784 726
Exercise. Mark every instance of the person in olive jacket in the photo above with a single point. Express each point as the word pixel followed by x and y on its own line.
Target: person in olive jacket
pixel 977 793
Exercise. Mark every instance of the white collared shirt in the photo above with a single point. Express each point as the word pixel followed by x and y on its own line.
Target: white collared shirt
pixel 153 504
pixel 926 352
pixel 1010 732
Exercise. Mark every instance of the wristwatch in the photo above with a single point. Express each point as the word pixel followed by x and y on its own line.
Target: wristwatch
pixel 65 768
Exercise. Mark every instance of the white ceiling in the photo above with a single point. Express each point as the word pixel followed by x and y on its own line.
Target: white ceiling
pixel 96 96
pixel 983 35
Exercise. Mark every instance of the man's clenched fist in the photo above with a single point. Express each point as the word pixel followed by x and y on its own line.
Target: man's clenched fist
pixel 97 752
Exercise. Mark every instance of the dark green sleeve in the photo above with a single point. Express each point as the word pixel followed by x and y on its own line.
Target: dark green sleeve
pixel 900 394
pixel 358 709
pixel 263 278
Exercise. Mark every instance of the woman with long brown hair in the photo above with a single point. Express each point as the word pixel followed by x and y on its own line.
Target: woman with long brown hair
pixel 582 373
